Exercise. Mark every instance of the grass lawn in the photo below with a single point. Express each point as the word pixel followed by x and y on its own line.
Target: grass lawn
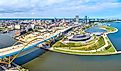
pixel 109 29
pixel 92 45
pixel 108 50
pixel 96 43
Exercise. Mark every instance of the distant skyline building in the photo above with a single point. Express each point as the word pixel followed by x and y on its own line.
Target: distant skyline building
pixel 86 19
pixel 63 20
pixel 76 19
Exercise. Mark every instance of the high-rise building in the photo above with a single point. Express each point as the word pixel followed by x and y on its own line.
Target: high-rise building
pixel 63 20
pixel 76 19
pixel 86 19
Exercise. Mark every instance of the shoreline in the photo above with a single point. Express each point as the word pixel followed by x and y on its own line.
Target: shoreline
pixel 102 54
pixel 116 30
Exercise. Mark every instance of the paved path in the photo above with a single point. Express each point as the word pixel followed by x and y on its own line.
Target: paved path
pixel 100 49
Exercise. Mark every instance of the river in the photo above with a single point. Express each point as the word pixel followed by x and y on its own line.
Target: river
pixel 52 61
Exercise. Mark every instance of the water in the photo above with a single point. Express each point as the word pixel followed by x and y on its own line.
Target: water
pixel 116 37
pixel 6 39
pixel 52 61
pixel 95 29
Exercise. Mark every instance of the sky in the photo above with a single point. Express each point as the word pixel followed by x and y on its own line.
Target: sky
pixel 60 8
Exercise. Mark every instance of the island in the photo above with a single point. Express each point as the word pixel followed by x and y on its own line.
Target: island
pixel 79 42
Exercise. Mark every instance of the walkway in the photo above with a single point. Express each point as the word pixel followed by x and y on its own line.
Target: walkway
pixel 100 49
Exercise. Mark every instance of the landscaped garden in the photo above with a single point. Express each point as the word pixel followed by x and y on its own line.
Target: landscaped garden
pixel 92 45
pixel 99 45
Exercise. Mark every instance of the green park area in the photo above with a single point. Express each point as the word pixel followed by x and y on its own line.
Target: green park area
pixel 77 47
pixel 91 45
pixel 108 29
pixel 99 45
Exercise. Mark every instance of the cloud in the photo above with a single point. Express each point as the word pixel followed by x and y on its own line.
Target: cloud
pixel 56 7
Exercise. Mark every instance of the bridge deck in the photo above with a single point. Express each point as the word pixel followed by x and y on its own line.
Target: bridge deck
pixel 9 51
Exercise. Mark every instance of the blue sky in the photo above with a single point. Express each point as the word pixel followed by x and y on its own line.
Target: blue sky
pixel 60 8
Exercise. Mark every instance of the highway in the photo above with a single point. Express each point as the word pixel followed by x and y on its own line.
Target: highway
pixel 12 50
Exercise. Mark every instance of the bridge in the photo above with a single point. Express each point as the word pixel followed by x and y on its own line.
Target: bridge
pixel 8 55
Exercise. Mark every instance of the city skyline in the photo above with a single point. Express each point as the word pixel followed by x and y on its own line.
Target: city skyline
pixel 60 8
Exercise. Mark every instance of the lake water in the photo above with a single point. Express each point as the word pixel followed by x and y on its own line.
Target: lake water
pixel 95 29
pixel 116 37
pixel 6 39
pixel 52 61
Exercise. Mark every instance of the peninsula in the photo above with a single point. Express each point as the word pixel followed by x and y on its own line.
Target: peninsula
pixel 79 42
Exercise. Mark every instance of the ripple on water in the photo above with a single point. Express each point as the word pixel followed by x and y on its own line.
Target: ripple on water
pixel 6 40
pixel 95 29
